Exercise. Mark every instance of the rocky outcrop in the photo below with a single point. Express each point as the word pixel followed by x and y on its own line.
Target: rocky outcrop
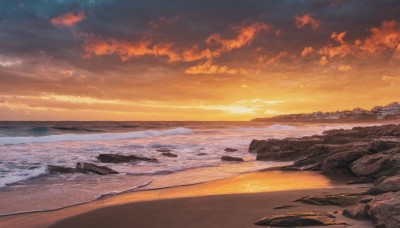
pixel 339 162
pixel 284 207
pixel 369 154
pixel 343 199
pixel 118 158
pixel 384 143
pixel 231 159
pixel 169 154
pixel 386 163
pixel 83 167
pixel 53 169
pixel 284 150
pixel 299 219
pixel 357 211
pixel 384 210
pixel 391 184
pixel 361 180
pixel 230 150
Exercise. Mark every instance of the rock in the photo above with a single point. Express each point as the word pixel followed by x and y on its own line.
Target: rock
pixel 118 158
pixel 285 149
pixel 357 211
pixel 53 169
pixel 381 164
pixel 201 154
pixel 284 207
pixel 314 155
pixel 169 154
pixel 390 184
pixel 361 180
pixel 163 150
pixel 342 199
pixel 229 158
pixel 230 150
pixel 384 210
pixel 289 168
pixel 299 219
pixel 384 143
pixel 338 163
pixel 83 167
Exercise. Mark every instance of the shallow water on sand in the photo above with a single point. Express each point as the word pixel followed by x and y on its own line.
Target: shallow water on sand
pixel 26 148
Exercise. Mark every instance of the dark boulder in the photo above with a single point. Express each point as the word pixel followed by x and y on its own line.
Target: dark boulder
pixel 356 211
pixel 83 167
pixel 284 207
pixel 230 150
pixel 384 210
pixel 284 149
pixel 384 143
pixel 169 154
pixel 338 163
pixel 229 158
pixel 299 219
pixel 342 199
pixel 53 169
pixel 118 158
pixel 361 180
pixel 390 184
pixel 381 164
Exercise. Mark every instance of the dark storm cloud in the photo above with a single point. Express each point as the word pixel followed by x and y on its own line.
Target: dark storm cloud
pixel 25 27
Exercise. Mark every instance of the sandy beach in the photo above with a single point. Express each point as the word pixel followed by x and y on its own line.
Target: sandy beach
pixel 233 202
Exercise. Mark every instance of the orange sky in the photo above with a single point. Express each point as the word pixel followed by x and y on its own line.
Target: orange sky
pixel 118 60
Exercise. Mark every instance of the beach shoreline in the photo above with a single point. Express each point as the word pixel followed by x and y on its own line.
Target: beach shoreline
pixel 153 208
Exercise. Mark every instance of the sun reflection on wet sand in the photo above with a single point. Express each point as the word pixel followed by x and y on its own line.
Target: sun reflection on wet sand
pixel 255 182
pixel 267 181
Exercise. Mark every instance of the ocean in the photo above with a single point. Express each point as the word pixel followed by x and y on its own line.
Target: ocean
pixel 27 148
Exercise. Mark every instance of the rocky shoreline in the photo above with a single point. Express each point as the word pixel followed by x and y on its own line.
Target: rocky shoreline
pixel 369 154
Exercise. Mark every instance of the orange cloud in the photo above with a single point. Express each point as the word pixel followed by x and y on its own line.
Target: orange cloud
pixel 307 51
pixel 274 60
pixel 339 37
pixel 128 50
pixel 209 68
pixel 386 37
pixel 345 68
pixel 68 19
pixel 323 61
pixel 307 19
pixel 245 35
pixel 195 53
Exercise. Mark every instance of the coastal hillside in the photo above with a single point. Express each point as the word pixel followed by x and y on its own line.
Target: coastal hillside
pixel 377 113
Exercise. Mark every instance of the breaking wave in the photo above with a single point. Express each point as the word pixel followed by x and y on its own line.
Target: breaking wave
pixel 92 137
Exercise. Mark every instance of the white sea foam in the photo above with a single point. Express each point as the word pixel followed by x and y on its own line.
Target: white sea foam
pixel 92 137
pixel 22 175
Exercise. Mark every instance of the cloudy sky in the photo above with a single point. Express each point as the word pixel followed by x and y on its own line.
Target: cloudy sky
pixel 195 60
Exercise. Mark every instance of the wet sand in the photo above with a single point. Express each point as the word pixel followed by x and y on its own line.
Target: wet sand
pixel 233 202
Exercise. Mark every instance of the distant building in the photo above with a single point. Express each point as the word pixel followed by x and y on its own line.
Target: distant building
pixel 389 111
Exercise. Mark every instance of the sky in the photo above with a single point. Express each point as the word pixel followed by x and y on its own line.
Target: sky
pixel 195 60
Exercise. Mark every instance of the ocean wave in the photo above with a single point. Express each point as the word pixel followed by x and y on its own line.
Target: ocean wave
pixel 281 127
pixel 92 137
pixel 273 127
pixel 75 129
pixel 22 176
